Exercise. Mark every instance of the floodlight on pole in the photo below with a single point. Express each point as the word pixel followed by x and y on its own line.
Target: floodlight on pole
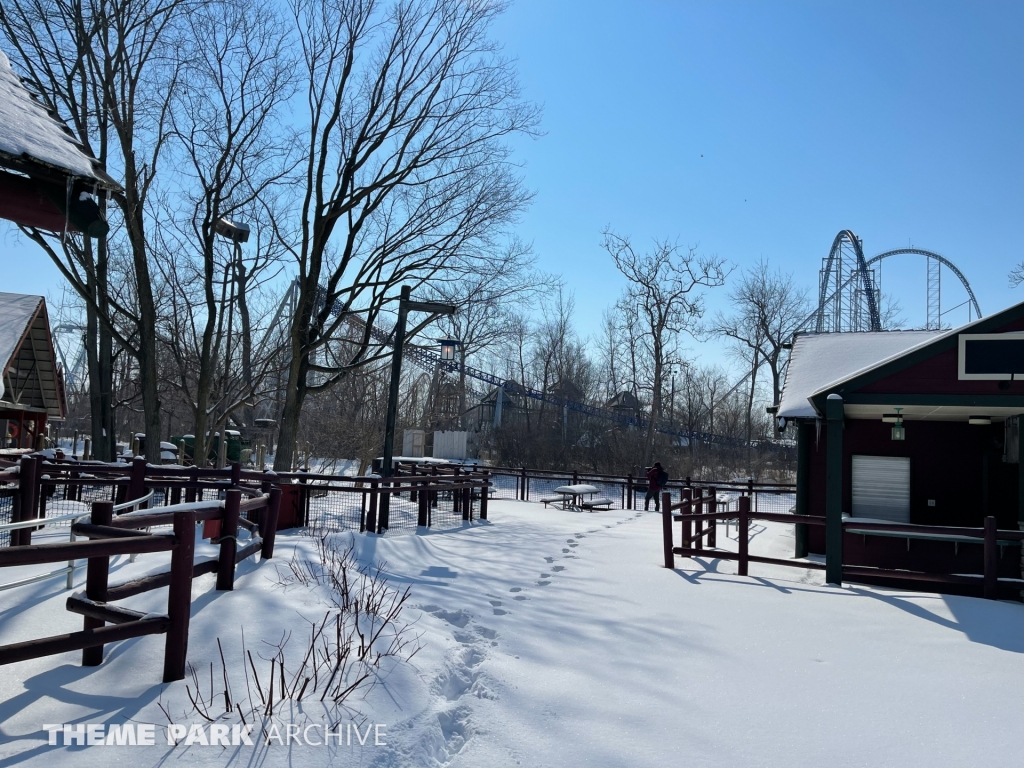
pixel 236 231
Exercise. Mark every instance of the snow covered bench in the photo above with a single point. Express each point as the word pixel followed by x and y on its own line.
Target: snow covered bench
pixel 600 503
pixel 545 500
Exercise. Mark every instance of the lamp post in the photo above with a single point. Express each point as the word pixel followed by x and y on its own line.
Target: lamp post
pixel 405 306
pixel 238 233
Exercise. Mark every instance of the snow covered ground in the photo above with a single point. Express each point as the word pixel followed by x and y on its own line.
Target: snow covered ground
pixel 553 638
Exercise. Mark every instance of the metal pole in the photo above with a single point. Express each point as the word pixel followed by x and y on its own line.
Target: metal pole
pixel 389 426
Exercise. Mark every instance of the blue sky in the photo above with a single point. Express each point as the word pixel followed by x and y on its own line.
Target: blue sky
pixel 903 121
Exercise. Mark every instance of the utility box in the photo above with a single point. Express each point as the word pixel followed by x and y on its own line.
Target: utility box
pixel 413 441
pixel 450 445
pixel 290 513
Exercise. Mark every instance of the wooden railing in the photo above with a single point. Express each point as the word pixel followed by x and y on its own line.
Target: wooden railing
pixel 40 483
pixel 697 507
pixel 109 535
pixel 629 486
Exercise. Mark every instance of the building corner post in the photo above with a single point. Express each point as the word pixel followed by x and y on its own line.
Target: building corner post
pixel 1020 488
pixel 834 491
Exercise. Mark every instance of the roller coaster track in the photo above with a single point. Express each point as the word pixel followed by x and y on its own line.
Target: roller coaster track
pixel 431 361
pixel 862 270
pixel 941 259
pixel 862 273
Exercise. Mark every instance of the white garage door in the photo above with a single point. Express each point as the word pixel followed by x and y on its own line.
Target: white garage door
pixel 881 487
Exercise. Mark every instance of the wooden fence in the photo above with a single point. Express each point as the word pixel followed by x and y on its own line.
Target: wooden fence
pixel 523 484
pixel 109 535
pixel 698 514
pixel 173 496
pixel 325 502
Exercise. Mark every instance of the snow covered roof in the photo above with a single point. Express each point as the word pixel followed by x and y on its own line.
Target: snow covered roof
pixel 28 132
pixel 819 360
pixel 29 374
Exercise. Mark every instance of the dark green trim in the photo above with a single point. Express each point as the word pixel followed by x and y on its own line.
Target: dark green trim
pixel 834 493
pixel 939 345
pixel 962 401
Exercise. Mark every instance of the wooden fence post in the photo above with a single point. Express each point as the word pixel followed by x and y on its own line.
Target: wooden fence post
pixel 228 540
pixel 522 484
pixel 457 496
pixel 713 524
pixel 991 559
pixel 629 492
pixel 687 510
pixel 744 533
pixel 575 477
pixel 485 492
pixel 467 502
pixel 96 582
pixel 236 473
pixel 371 515
pixel 666 529
pixel 697 508
pixel 137 483
pixel 303 506
pixel 268 523
pixel 193 484
pixel 26 501
pixel 179 596
pixel 422 506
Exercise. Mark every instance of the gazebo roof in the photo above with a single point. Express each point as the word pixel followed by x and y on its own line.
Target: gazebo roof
pixel 47 180
pixel 30 138
pixel 30 378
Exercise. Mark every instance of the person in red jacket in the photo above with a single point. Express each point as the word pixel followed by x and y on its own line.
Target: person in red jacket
pixel 657 478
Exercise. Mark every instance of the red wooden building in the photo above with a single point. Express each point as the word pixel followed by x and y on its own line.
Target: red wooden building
pixel 31 387
pixel 919 427
pixel 47 178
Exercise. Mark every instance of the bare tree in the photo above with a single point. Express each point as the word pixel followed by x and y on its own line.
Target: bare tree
pixel 665 289
pixel 1016 276
pixel 230 155
pixel 769 309
pixel 487 302
pixel 108 67
pixel 406 169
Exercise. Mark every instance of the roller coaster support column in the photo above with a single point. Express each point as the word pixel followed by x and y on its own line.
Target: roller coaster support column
pixel 405 306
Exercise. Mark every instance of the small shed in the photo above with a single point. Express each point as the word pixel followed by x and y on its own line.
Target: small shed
pixel 918 427
pixel 32 385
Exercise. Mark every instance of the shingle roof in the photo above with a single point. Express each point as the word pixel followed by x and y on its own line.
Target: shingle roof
pixel 821 359
pixel 29 133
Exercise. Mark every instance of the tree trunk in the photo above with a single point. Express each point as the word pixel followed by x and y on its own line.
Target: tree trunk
pixel 750 408
pixel 99 349
pixel 655 405
pixel 295 392
pixel 248 414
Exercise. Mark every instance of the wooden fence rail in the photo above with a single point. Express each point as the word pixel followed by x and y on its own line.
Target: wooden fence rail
pixel 689 511
pixel 108 536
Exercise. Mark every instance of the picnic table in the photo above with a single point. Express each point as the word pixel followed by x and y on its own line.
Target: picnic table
pixel 571 494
